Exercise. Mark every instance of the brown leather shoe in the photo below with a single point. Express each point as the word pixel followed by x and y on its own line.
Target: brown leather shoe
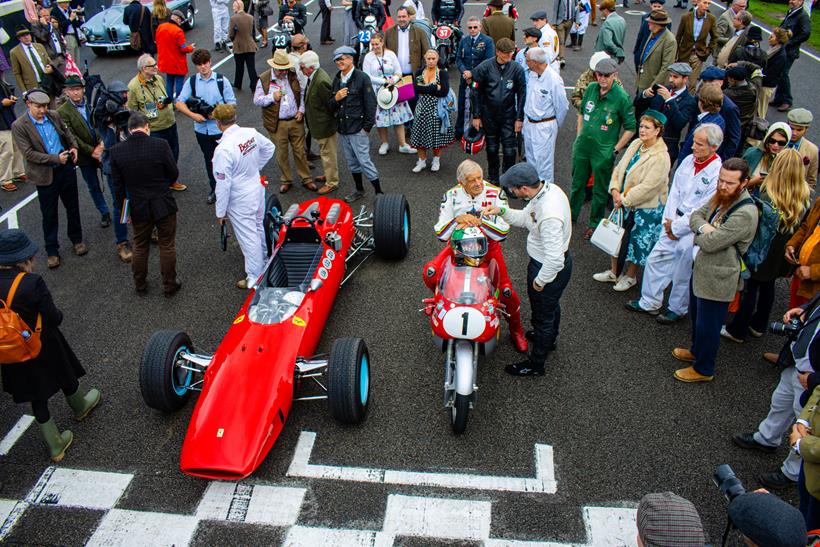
pixel 689 375
pixel 683 354
pixel 9 187
pixel 320 178
pixel 124 252
pixel 327 189
pixel 53 262
pixel 80 249
pixel 308 184
pixel 771 357
pixel 173 290
pixel 178 187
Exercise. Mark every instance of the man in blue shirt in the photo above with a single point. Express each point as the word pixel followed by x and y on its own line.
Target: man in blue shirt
pixel 50 152
pixel 213 89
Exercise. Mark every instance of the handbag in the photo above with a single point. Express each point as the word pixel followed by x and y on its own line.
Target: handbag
pixel 135 40
pixel 609 233
pixel 406 89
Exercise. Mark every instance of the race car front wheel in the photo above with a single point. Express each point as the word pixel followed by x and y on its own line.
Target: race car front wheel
pixel 163 382
pixel 348 380
pixel 391 226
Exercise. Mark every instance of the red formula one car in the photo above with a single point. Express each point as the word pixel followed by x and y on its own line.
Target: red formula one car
pixel 247 386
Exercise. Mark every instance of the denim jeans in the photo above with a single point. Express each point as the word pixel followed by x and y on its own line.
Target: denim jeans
pixel 173 84
pixel 92 180
pixel 120 229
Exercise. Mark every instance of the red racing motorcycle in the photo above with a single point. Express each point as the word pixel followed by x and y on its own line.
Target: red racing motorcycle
pixel 464 315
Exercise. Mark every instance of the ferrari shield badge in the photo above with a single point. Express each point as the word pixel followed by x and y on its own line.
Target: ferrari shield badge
pixel 298 321
pixel 239 319
pixel 219 433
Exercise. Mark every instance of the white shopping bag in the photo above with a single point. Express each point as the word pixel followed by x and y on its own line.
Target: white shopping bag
pixel 609 233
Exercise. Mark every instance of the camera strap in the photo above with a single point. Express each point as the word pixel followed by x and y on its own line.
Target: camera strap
pixel 220 85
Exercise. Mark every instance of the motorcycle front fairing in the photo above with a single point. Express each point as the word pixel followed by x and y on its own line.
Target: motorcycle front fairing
pixel 466 304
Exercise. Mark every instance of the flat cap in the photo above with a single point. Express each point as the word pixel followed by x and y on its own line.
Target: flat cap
pixel 532 32
pixel 754 33
pixel 682 69
pixel 540 14
pixel 666 519
pixel 596 58
pixel 178 13
pixel 606 66
pixel 23 31
pixel 520 174
pixel 37 96
pixel 767 520
pixel 343 50
pixel 737 72
pixel 712 73
pixel 800 116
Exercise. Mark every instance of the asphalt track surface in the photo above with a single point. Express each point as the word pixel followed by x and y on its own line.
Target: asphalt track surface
pixel 619 424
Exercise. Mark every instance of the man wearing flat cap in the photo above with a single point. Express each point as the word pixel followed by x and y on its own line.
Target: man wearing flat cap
pixel 282 99
pixel 50 153
pixel 604 111
pixel 714 77
pixel 665 518
pixel 29 62
pixel 547 221
pixel 498 25
pixel 799 120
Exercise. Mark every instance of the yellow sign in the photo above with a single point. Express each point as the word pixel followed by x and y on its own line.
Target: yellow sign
pixel 298 321
pixel 239 319
pixel 219 433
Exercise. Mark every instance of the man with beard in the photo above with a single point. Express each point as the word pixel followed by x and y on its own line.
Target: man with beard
pixel 724 229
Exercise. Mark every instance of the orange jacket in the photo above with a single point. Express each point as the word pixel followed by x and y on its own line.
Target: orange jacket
pixel 171 49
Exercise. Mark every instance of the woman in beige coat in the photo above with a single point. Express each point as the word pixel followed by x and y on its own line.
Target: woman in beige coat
pixel 640 184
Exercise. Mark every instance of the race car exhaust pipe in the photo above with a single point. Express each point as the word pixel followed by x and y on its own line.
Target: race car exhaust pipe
pixel 465 371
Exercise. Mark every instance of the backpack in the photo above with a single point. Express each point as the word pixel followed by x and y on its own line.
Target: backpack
pixel 767 224
pixel 220 84
pixel 18 342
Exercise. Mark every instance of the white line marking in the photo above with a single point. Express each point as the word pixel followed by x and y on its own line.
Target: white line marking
pixel 86 489
pixel 610 525
pixel 437 518
pixel 10 216
pixel 239 502
pixel 21 506
pixel 137 528
pixel 767 31
pixel 15 433
pixel 543 482
pixel 308 536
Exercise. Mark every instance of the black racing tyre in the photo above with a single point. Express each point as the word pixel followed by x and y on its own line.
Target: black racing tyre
pixel 391 226
pixel 99 51
pixel 459 413
pixel 190 17
pixel 163 384
pixel 271 203
pixel 348 380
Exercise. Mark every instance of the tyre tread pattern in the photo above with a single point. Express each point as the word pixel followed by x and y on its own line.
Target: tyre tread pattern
pixel 343 380
pixel 388 226
pixel 155 370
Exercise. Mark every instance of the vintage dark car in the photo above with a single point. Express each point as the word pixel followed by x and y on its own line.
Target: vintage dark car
pixel 106 32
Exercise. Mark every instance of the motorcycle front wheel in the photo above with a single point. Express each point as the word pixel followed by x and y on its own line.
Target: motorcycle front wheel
pixel 459 413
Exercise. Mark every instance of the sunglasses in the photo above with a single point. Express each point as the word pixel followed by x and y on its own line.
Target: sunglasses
pixel 778 142
pixel 472 26
pixel 598 74
pixel 151 65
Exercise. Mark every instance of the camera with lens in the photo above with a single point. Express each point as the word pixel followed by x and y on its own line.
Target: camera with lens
pixel 727 482
pixel 791 329
pixel 110 109
pixel 197 105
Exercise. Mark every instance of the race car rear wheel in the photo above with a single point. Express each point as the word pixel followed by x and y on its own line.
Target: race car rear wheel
pixel 459 413
pixel 163 383
pixel 348 380
pixel 391 226
pixel 271 203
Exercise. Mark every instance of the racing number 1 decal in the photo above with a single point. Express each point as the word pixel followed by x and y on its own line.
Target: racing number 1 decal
pixel 465 318
pixel 464 323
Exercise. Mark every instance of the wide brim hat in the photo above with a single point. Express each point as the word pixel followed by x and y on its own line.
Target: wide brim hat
pixel 387 97
pixel 659 17
pixel 15 246
pixel 281 60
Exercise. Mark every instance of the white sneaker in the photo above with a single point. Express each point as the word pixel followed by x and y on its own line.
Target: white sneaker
pixel 605 277
pixel 436 165
pixel 725 333
pixel 407 149
pixel 625 283
pixel 420 165
pixel 383 149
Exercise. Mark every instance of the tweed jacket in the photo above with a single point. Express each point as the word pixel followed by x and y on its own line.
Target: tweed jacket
pixel 724 30
pixel 320 120
pixel 42 35
pixel 39 163
pixel 419 44
pixel 647 183
pixel 808 151
pixel 810 444
pixel 82 133
pixel 143 168
pixel 716 272
pixel 707 39
pixel 498 26
pixel 22 69
pixel 808 287
pixel 241 33
pixel 663 53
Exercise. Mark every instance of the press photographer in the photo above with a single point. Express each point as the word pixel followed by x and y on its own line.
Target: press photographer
pixel 762 518
pixel 799 352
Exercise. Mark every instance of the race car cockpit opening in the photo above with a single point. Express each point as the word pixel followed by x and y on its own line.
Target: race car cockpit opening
pixel 274 305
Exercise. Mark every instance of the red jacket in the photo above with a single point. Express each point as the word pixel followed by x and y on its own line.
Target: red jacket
pixel 171 49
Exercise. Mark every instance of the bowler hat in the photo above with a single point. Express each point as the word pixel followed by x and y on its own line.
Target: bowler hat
pixel 15 246
pixel 754 34
pixel 659 17
pixel 280 60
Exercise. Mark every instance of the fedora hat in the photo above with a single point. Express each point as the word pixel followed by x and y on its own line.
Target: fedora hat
pixel 280 60
pixel 15 246
pixel 387 97
pixel 659 17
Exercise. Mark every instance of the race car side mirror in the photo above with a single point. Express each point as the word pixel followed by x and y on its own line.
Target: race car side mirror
pixel 315 285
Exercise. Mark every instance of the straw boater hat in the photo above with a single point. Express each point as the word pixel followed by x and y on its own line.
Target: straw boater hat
pixel 280 60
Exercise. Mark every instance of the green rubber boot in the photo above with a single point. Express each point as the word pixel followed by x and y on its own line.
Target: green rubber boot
pixel 82 405
pixel 56 442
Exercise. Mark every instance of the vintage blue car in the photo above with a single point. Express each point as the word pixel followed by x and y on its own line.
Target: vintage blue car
pixel 106 32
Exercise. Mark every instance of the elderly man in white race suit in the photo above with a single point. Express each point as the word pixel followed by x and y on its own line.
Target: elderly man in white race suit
pixel 222 16
pixel 545 108
pixel 240 196
pixel 671 258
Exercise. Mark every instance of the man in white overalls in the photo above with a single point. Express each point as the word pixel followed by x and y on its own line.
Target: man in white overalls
pixel 240 196
pixel 222 16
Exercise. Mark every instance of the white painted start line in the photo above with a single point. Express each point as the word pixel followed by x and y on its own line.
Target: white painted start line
pixel 281 506
pixel 15 433
pixel 10 216
pixel 543 482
